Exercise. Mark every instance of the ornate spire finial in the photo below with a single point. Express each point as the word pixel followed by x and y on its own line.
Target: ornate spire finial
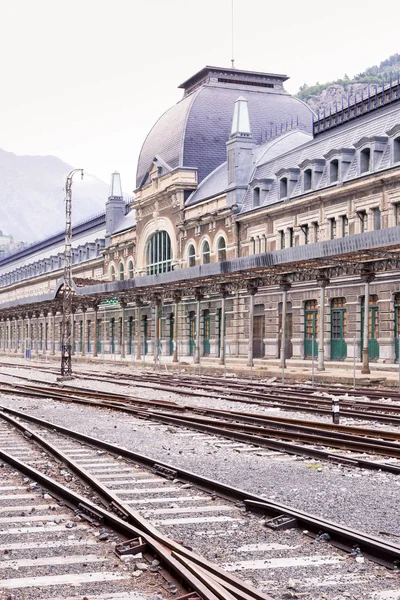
pixel 241 119
pixel 115 186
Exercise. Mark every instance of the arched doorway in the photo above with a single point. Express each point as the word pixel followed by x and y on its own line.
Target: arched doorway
pixel 310 328
pixel 338 328
pixel 206 332
pixel 373 326
pixel 289 330
pixel 145 334
pixel 192 332
pixel 396 324
pixel 258 331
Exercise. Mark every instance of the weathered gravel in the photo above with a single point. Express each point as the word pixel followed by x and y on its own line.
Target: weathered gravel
pixel 360 499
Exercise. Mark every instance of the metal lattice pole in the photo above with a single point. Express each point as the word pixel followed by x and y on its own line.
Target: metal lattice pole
pixel 66 361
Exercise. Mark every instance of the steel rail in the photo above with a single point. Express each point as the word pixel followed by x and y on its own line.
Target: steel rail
pixel 256 435
pixel 376 549
pixel 281 403
pixel 160 543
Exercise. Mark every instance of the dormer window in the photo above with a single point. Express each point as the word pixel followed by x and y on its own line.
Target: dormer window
pixel 365 160
pixel 283 188
pixel 191 256
pixel 396 150
pixel 362 215
pixel 334 171
pixel 256 197
pixel 377 218
pixel 307 180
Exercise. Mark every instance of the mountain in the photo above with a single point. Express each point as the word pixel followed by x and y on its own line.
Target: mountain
pixel 32 196
pixel 327 95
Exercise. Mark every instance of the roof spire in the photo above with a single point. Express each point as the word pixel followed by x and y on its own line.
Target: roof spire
pixel 241 119
pixel 115 186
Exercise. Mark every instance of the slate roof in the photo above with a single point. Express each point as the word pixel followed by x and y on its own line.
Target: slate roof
pixel 194 132
pixel 345 136
pixel 127 222
pixel 215 183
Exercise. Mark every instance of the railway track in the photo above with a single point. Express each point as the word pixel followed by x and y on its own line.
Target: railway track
pixel 78 542
pixel 219 522
pixel 282 397
pixel 291 436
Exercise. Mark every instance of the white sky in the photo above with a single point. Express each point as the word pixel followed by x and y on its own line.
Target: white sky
pixel 86 79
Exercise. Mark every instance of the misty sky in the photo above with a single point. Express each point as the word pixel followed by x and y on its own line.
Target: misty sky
pixel 85 80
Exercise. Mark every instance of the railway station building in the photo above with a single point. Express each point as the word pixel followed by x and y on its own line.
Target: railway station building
pixel 259 232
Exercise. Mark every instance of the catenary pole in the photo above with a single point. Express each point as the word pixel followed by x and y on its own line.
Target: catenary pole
pixel 66 360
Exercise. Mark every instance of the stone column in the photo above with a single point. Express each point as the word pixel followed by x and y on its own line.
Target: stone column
pixel 36 336
pixel 53 332
pixel 252 290
pixel 199 298
pixel 138 329
pixel 95 337
pixel 177 299
pixel 15 335
pixel 83 349
pixel 22 334
pixel 367 278
pixel 157 310
pixel 323 282
pixel 222 356
pixel 30 332
pixel 73 332
pixel 44 339
pixel 285 287
pixel 123 305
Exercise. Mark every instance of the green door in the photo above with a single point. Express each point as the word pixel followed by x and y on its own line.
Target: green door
pixel 145 334
pixel 130 335
pixel 373 327
pixel 219 331
pixel 206 333
pixel 112 336
pixel 171 334
pixel 310 328
pixel 396 324
pixel 99 336
pixel 88 335
pixel 338 329
pixel 192 334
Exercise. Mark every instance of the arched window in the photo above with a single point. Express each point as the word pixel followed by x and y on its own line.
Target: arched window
pixel 256 197
pixel 365 160
pixel 283 188
pixel 130 269
pixel 191 256
pixel 307 180
pixel 112 273
pixel 205 253
pixel 158 253
pixel 121 271
pixel 396 150
pixel 221 249
pixel 334 171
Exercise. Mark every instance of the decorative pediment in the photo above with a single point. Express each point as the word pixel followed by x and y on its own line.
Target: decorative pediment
pixel 345 154
pixel 157 168
pixel 377 142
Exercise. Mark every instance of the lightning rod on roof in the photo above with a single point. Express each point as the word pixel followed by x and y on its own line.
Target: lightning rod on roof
pixel 232 33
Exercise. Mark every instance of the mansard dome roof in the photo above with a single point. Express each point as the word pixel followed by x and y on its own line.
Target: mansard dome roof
pixel 194 132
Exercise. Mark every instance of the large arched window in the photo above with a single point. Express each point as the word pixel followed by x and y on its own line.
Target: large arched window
pixel 130 269
pixel 158 253
pixel 191 256
pixel 112 273
pixel 121 271
pixel 205 253
pixel 221 247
